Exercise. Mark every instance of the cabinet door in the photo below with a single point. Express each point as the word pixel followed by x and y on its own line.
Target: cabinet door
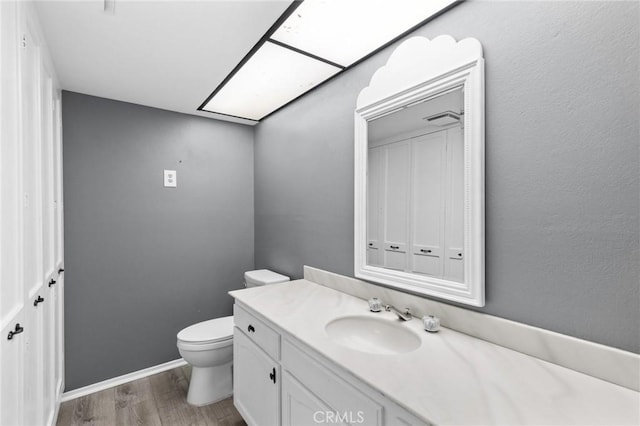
pixel 256 382
pixel 300 407
pixel 347 401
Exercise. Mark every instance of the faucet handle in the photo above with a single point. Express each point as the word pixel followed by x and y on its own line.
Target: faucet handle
pixel 375 305
pixel 431 323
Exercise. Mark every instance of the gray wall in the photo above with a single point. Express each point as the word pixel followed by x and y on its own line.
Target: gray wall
pixel 562 166
pixel 143 261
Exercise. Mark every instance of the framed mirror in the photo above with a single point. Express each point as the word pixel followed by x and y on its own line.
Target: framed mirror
pixel 419 171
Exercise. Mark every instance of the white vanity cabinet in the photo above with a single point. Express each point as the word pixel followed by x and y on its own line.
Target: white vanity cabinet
pixel 256 374
pixel 280 381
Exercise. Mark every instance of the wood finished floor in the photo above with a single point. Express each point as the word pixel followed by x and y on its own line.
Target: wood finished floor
pixel 155 400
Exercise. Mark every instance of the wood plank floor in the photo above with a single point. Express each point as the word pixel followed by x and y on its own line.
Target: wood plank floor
pixel 156 400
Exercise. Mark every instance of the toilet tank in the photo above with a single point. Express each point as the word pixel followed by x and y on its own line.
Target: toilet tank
pixel 263 277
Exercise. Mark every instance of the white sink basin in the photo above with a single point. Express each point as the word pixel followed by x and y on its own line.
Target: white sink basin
pixel 373 335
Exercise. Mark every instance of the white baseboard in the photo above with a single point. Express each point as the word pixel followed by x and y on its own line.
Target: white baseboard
pixel 125 378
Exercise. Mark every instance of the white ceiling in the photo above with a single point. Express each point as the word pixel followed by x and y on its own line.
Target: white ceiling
pixel 411 118
pixel 163 54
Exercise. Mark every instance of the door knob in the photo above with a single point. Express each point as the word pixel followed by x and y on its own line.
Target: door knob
pixel 17 330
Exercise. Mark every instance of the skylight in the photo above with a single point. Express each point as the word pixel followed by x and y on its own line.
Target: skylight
pixel 316 40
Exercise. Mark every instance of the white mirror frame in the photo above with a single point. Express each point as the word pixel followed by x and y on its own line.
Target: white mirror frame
pixel 418 69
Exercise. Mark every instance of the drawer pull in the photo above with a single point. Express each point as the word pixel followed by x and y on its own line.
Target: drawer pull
pixel 272 375
pixel 395 247
pixel 425 251
pixel 19 330
pixel 250 329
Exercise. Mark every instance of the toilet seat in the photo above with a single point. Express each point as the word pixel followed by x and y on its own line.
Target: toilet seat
pixel 206 333
pixel 197 347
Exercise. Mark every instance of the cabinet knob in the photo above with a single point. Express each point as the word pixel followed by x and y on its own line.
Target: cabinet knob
pixel 250 329
pixel 51 282
pixel 19 330
pixel 272 375
pixel 40 299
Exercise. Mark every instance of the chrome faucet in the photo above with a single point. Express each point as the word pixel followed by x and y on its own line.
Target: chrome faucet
pixel 404 316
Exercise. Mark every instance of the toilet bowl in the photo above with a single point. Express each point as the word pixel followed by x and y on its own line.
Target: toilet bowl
pixel 208 347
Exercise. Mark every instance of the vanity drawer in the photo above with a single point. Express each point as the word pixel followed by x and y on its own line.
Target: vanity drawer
pixel 342 397
pixel 267 339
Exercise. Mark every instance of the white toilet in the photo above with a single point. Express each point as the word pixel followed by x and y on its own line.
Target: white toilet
pixel 208 347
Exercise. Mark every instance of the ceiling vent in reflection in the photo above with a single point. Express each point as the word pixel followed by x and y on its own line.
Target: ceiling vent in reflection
pixel 110 7
pixel 443 118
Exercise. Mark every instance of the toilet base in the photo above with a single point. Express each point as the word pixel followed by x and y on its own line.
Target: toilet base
pixel 210 384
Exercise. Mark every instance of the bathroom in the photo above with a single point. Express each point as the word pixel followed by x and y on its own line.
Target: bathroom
pixel 142 261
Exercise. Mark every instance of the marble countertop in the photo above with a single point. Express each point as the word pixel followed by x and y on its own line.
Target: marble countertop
pixel 452 378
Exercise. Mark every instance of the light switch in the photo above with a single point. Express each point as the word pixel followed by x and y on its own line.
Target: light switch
pixel 170 179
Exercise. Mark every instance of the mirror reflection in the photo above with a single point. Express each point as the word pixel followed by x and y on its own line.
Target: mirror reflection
pixel 415 188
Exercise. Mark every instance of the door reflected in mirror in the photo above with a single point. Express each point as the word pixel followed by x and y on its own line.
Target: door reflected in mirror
pixel 415 188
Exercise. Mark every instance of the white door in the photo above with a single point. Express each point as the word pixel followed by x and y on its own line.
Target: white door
pixel 11 287
pixel 428 169
pixel 375 170
pixel 48 245
pixel 32 226
pixel 256 382
pixel 57 290
pixel 454 234
pixel 396 205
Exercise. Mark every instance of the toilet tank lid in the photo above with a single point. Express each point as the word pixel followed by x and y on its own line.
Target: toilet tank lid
pixel 210 331
pixel 264 276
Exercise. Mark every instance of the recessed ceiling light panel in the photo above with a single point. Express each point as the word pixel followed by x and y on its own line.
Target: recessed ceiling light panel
pixel 310 43
pixel 344 31
pixel 272 77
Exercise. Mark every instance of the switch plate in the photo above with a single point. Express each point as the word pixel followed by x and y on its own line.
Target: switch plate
pixel 170 179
